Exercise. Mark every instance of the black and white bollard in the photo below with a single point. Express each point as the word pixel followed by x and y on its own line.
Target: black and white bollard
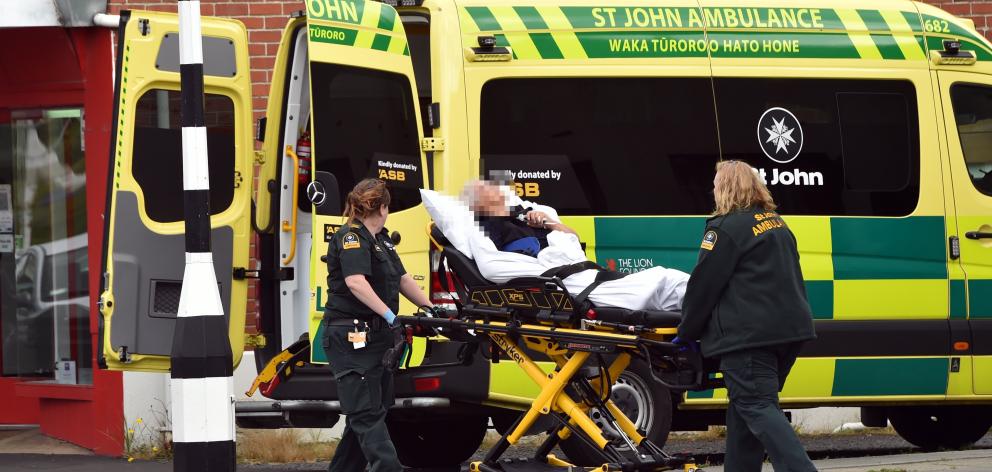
pixel 202 383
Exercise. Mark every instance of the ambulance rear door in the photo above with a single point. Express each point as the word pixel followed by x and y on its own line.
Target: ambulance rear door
pixel 143 258
pixel 366 123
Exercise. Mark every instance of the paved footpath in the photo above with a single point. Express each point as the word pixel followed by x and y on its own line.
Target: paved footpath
pixel 957 461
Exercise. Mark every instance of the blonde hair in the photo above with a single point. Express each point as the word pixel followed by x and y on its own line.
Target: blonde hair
pixel 366 199
pixel 737 186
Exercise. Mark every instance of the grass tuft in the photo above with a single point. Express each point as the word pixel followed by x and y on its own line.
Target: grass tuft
pixel 279 446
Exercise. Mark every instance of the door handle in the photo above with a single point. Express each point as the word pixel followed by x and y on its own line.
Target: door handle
pixel 290 226
pixel 977 235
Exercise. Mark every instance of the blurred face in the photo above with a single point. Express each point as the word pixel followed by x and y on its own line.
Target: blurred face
pixel 489 200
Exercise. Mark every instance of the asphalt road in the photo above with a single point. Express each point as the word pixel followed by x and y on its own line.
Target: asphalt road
pixel 857 453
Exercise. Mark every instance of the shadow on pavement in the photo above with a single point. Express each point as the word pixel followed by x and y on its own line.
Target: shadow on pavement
pixel 67 463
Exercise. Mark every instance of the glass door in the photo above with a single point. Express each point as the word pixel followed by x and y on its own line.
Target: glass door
pixel 44 299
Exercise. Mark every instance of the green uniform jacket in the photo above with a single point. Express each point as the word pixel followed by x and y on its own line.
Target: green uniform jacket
pixel 747 288
pixel 353 250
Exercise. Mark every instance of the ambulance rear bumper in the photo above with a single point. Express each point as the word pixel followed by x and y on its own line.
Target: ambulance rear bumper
pixel 310 413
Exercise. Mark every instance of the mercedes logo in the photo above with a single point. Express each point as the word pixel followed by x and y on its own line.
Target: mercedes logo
pixel 316 193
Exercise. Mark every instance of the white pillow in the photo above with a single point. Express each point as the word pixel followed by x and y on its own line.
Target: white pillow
pixel 452 217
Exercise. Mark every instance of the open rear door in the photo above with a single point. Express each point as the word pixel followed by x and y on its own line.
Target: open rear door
pixel 366 123
pixel 144 226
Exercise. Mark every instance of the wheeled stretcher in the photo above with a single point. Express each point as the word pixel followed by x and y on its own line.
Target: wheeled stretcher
pixel 589 346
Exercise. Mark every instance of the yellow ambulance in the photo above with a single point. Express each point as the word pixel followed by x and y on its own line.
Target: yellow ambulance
pixel 870 121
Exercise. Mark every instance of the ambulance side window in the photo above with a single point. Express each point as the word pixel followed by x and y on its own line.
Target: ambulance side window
pixel 157 158
pixel 826 147
pixel 604 146
pixel 973 115
pixel 365 125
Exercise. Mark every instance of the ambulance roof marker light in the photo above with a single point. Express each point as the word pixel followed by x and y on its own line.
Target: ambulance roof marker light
pixel 952 55
pixel 403 3
pixel 488 51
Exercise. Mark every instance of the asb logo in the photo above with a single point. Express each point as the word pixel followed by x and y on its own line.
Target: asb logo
pixel 780 135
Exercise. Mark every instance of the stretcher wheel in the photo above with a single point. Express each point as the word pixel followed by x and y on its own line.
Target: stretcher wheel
pixel 633 392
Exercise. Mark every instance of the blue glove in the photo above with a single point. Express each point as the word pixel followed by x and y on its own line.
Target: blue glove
pixel 390 317
pixel 686 345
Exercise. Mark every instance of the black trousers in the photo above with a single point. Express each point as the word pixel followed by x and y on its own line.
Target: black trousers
pixel 755 423
pixel 365 390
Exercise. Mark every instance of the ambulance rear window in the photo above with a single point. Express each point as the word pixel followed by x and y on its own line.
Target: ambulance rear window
pixel 365 126
pixel 157 152
pixel 604 146
pixel 973 114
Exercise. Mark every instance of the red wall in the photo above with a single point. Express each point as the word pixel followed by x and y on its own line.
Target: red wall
pixel 16 409
pixel 69 67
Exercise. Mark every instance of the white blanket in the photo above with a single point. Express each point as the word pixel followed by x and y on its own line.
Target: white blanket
pixel 657 288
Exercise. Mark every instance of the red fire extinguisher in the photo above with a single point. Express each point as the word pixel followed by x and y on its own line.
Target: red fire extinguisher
pixel 303 152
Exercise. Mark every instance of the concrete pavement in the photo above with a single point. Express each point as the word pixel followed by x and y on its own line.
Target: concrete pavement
pixel 979 460
pixel 957 461
pixel 30 440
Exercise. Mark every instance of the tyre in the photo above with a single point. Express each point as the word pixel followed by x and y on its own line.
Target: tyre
pixel 439 442
pixel 504 419
pixel 647 403
pixel 934 427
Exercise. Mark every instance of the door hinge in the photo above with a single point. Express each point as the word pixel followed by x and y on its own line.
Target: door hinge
pixel 954 246
pixel 123 355
pixel 238 179
pixel 241 273
pixel 432 144
pixel 260 157
pixel 255 340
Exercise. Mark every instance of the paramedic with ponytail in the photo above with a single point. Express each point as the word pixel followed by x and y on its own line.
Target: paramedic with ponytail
pixel 365 278
pixel 746 302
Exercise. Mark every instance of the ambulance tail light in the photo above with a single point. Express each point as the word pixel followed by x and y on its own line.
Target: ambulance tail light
pixel 438 295
pixel 426 384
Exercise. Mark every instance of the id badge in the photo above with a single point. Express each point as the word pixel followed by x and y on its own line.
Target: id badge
pixel 357 339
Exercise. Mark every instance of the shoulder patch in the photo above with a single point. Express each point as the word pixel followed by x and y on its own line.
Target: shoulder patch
pixel 351 241
pixel 709 240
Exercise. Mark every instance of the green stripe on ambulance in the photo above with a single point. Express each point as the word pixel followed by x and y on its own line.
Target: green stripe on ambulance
pixel 654 32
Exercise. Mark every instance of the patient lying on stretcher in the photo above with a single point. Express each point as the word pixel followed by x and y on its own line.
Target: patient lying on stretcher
pixel 510 238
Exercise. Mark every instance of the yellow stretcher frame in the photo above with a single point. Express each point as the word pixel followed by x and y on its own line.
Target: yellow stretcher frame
pixel 553 398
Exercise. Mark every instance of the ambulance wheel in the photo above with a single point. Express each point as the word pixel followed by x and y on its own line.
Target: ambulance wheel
pixel 504 419
pixel 647 403
pixel 934 427
pixel 437 442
